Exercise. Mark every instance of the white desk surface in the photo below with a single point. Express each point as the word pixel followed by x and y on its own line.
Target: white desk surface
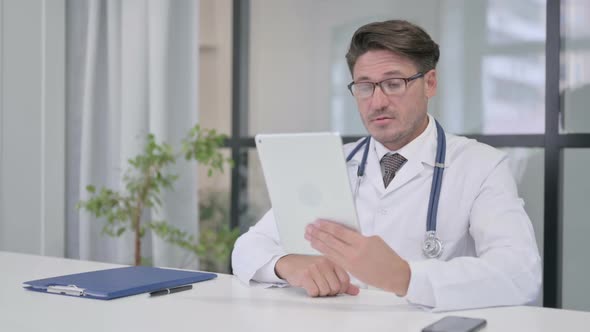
pixel 225 304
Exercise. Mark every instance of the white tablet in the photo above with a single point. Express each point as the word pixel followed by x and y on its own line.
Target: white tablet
pixel 307 179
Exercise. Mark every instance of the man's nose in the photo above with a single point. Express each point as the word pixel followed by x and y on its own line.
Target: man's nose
pixel 380 99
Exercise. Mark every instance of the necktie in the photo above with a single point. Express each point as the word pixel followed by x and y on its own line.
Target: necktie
pixel 391 163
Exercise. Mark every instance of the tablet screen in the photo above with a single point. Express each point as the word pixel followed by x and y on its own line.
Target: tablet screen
pixel 306 177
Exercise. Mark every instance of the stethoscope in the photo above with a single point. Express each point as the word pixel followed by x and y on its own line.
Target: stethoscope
pixel 432 246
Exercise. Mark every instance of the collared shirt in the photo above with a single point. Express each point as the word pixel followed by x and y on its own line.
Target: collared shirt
pixel 490 257
pixel 408 151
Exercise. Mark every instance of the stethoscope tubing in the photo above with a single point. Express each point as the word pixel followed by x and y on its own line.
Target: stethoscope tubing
pixel 436 178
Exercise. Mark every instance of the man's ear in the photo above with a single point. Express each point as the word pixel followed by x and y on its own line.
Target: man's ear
pixel 431 83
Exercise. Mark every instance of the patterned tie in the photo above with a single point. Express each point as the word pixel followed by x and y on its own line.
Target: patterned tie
pixel 391 163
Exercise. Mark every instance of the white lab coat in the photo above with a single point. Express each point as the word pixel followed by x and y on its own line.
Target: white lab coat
pixel 490 256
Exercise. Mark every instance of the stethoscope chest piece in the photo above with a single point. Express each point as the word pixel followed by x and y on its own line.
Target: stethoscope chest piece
pixel 432 246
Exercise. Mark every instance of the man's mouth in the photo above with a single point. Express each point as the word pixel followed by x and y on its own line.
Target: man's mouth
pixel 381 119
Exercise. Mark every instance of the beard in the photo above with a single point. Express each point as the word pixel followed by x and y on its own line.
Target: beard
pixel 396 132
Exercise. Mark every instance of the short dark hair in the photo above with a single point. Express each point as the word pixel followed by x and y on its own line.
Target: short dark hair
pixel 398 36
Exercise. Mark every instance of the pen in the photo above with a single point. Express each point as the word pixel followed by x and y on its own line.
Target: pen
pixel 166 291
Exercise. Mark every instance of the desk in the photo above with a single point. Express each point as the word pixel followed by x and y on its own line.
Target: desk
pixel 224 304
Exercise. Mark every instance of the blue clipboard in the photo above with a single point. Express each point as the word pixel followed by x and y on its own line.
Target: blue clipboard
pixel 118 282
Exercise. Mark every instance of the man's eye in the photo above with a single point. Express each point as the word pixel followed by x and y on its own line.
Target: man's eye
pixel 364 87
pixel 393 84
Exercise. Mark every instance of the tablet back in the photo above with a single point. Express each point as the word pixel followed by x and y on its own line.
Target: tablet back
pixel 307 179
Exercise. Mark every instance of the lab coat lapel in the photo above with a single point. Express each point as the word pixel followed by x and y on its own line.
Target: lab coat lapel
pixel 410 170
pixel 416 164
pixel 423 156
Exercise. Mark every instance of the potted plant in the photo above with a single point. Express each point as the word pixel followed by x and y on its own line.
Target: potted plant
pixel 144 181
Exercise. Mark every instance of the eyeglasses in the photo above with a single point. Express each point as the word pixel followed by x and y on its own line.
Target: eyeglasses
pixel 391 86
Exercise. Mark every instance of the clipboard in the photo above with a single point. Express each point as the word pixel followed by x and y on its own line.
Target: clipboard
pixel 118 282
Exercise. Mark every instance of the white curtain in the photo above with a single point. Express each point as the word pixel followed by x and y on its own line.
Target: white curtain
pixel 132 70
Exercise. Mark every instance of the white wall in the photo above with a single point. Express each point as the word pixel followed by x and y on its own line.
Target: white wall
pixel 215 80
pixel 32 126
pixel 294 45
pixel 292 50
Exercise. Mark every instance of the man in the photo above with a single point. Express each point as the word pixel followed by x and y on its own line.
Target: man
pixel 489 255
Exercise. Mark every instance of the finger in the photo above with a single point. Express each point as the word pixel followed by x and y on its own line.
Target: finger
pixel 320 280
pixel 314 234
pixel 348 288
pixel 343 278
pixel 334 255
pixel 332 278
pixel 309 285
pixel 339 231
pixel 353 290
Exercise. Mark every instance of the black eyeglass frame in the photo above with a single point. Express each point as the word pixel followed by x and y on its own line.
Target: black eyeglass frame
pixel 375 84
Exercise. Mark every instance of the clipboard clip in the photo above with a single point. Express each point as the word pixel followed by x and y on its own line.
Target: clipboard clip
pixel 66 290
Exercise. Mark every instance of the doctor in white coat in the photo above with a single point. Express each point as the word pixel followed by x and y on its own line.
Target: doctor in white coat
pixel 489 256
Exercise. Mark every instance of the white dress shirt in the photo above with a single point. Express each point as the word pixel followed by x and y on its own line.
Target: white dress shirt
pixel 490 256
